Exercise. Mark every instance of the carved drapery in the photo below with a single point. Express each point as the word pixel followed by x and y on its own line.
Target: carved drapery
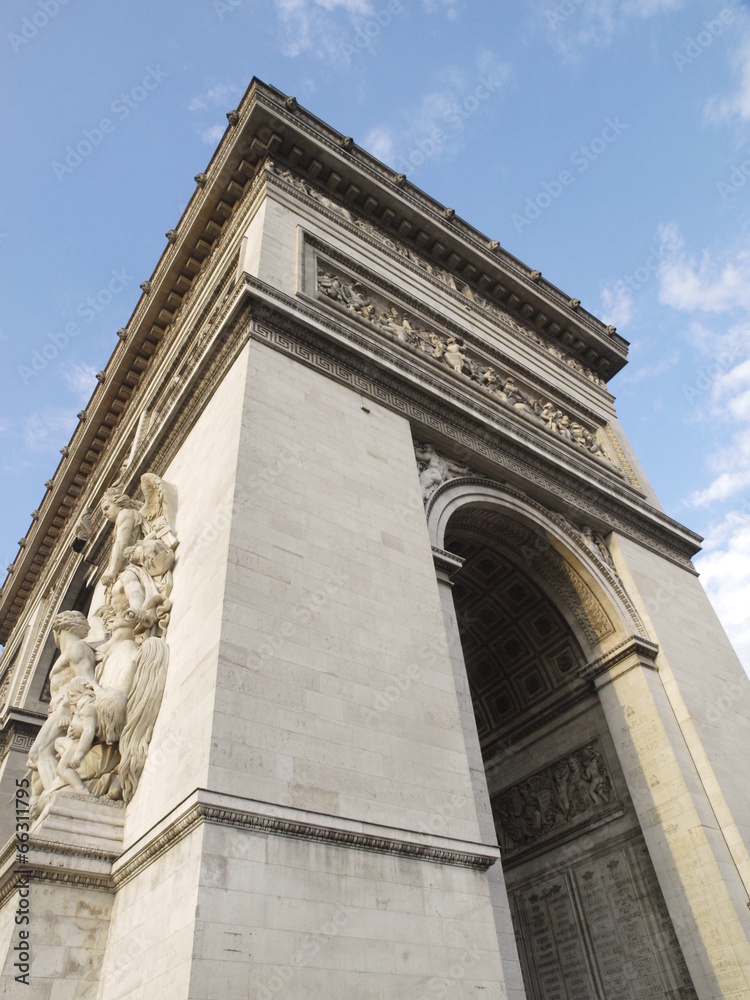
pixel 107 684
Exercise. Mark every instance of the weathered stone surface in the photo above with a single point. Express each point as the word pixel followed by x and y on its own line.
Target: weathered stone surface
pixel 423 598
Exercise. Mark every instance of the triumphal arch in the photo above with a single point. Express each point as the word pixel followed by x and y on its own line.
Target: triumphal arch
pixel 349 653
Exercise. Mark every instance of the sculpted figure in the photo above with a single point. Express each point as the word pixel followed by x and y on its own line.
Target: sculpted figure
pixel 490 378
pixel 76 660
pixel 356 299
pixel 392 324
pixel 453 356
pixel 81 732
pixel 578 787
pixel 139 574
pixel 434 470
pixel 598 784
pixel 104 703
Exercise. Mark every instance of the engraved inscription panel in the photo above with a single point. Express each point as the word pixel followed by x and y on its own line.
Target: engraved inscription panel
pixel 558 960
pixel 601 930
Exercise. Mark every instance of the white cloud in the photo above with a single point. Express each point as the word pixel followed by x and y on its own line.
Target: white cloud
pixel 79 379
pixel 212 134
pixel 217 95
pixel 726 485
pixel 724 566
pixel 574 25
pixel 648 8
pixel 705 284
pixel 434 125
pixel 654 369
pixel 312 26
pixel 617 304
pixel 380 142
pixel 48 429
pixel 450 7
pixel 737 105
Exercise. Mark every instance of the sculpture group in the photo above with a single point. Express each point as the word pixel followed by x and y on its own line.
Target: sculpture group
pixel 105 693
pixel 451 351
pixel 570 789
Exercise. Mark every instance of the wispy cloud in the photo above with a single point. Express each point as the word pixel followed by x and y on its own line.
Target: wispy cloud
pixel 574 27
pixel 649 8
pixel 332 30
pixel 735 106
pixel 449 7
pixel 435 124
pixel 707 282
pixel 79 379
pixel 617 304
pixel 48 429
pixel 723 566
pixel 217 95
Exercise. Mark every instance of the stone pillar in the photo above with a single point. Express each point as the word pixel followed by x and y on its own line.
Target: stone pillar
pixel 446 563
pixel 702 887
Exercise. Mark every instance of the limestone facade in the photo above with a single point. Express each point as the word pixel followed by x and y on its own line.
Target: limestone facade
pixel 442 707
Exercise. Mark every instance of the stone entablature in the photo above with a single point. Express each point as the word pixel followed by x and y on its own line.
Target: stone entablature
pixel 452 351
pixel 269 124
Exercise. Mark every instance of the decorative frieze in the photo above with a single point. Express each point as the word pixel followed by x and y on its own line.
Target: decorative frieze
pixel 434 270
pixel 453 353
pixel 573 790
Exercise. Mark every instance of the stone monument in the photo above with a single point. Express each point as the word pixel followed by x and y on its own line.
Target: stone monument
pixel 349 653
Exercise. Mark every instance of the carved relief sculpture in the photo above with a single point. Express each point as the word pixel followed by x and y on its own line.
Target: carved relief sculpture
pixel 106 694
pixel 572 789
pixel 435 469
pixel 451 351
pixel 440 273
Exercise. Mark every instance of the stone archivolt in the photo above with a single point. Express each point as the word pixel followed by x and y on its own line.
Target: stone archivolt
pixel 437 272
pixel 558 573
pixel 451 352
pixel 573 789
pixel 105 692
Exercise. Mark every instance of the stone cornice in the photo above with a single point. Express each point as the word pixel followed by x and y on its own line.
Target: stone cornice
pixel 642 651
pixel 399 380
pixel 269 123
pixel 399 206
pixel 102 869
pixel 18 730
pixel 204 806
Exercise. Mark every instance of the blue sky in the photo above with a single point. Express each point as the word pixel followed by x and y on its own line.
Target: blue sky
pixel 604 142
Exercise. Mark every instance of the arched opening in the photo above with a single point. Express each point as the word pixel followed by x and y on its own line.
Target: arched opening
pixel 589 915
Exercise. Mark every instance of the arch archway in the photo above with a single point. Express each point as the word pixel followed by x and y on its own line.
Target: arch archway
pixel 537 601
